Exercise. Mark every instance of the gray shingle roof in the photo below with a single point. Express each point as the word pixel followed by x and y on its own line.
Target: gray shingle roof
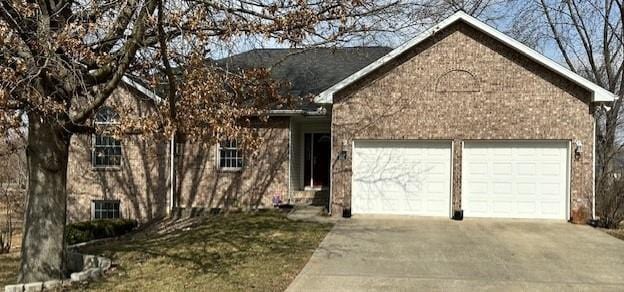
pixel 309 71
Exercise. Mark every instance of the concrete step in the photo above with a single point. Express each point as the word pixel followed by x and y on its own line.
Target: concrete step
pixel 318 210
pixel 310 213
pixel 313 198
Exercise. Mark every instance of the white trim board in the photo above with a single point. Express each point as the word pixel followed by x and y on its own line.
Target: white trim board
pixel 149 93
pixel 599 94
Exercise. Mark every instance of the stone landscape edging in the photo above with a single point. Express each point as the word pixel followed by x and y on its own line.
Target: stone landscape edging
pixel 89 267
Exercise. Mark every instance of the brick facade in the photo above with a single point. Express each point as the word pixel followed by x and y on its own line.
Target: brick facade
pixel 142 183
pixel 265 174
pixel 459 85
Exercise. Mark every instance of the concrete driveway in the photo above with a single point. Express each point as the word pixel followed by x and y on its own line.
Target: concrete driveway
pixel 416 254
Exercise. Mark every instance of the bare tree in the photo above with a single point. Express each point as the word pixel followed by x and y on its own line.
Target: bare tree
pixel 12 191
pixel 61 60
pixel 6 227
pixel 589 37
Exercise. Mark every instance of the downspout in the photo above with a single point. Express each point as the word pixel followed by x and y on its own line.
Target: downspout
pixel 594 174
pixel 290 146
pixel 331 165
pixel 172 173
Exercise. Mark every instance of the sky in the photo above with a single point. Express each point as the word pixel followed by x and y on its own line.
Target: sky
pixel 393 40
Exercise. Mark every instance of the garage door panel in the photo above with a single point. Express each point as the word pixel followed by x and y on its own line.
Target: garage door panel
pixel 502 206
pixel 526 168
pixel 401 177
pixel 515 179
pixel 502 188
pixel 476 205
pixel 502 168
pixel 527 207
pixel 526 188
pixel 437 187
pixel 477 168
pixel 504 152
pixel 551 168
pixel 477 187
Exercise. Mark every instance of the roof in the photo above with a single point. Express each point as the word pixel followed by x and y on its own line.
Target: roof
pixel 309 71
pixel 599 94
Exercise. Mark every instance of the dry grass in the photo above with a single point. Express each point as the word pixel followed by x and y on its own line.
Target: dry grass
pixel 9 263
pixel 619 233
pixel 236 252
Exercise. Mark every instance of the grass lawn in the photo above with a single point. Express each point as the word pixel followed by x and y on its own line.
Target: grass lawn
pixel 619 233
pixel 261 252
pixel 9 264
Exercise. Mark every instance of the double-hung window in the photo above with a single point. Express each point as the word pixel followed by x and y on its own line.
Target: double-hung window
pixel 105 209
pixel 106 150
pixel 230 155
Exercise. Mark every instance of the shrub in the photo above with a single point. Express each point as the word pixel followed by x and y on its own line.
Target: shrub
pixel 610 201
pixel 97 229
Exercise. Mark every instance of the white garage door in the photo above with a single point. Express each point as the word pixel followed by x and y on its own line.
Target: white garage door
pixel 401 177
pixel 522 179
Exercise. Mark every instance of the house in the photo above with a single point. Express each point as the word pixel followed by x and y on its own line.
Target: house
pixel 462 117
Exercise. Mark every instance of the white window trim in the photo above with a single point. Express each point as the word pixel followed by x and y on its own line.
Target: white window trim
pixel 93 146
pixel 229 169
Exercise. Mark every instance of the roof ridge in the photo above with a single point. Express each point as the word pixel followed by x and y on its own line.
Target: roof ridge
pixel 310 48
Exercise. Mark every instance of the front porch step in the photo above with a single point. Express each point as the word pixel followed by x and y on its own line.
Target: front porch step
pixel 310 213
pixel 312 198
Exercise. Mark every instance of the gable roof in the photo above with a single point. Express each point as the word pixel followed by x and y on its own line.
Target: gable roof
pixel 599 94
pixel 309 71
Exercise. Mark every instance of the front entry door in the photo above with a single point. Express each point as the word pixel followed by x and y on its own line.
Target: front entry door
pixel 316 163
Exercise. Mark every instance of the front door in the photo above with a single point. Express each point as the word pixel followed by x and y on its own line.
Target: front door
pixel 317 148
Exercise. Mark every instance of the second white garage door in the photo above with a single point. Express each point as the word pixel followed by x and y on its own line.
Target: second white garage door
pixel 401 177
pixel 515 179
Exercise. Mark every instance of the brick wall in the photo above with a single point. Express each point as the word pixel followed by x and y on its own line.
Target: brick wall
pixel 265 173
pixel 142 184
pixel 459 85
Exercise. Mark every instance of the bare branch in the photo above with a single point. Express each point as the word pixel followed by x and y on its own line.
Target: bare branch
pixel 557 36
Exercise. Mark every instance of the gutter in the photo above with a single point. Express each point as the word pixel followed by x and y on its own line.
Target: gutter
pixel 321 111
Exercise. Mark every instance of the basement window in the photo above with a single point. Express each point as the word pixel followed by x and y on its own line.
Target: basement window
pixel 105 209
pixel 230 155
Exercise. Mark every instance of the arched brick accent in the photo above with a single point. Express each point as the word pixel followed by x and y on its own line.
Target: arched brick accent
pixel 457 80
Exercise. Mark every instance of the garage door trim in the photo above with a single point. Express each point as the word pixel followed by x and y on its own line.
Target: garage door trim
pixel 451 165
pixel 568 165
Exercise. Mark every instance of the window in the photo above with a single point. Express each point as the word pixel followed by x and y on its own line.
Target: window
pixel 106 150
pixel 230 155
pixel 105 209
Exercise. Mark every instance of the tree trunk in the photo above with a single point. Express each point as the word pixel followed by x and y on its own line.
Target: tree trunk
pixel 47 151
